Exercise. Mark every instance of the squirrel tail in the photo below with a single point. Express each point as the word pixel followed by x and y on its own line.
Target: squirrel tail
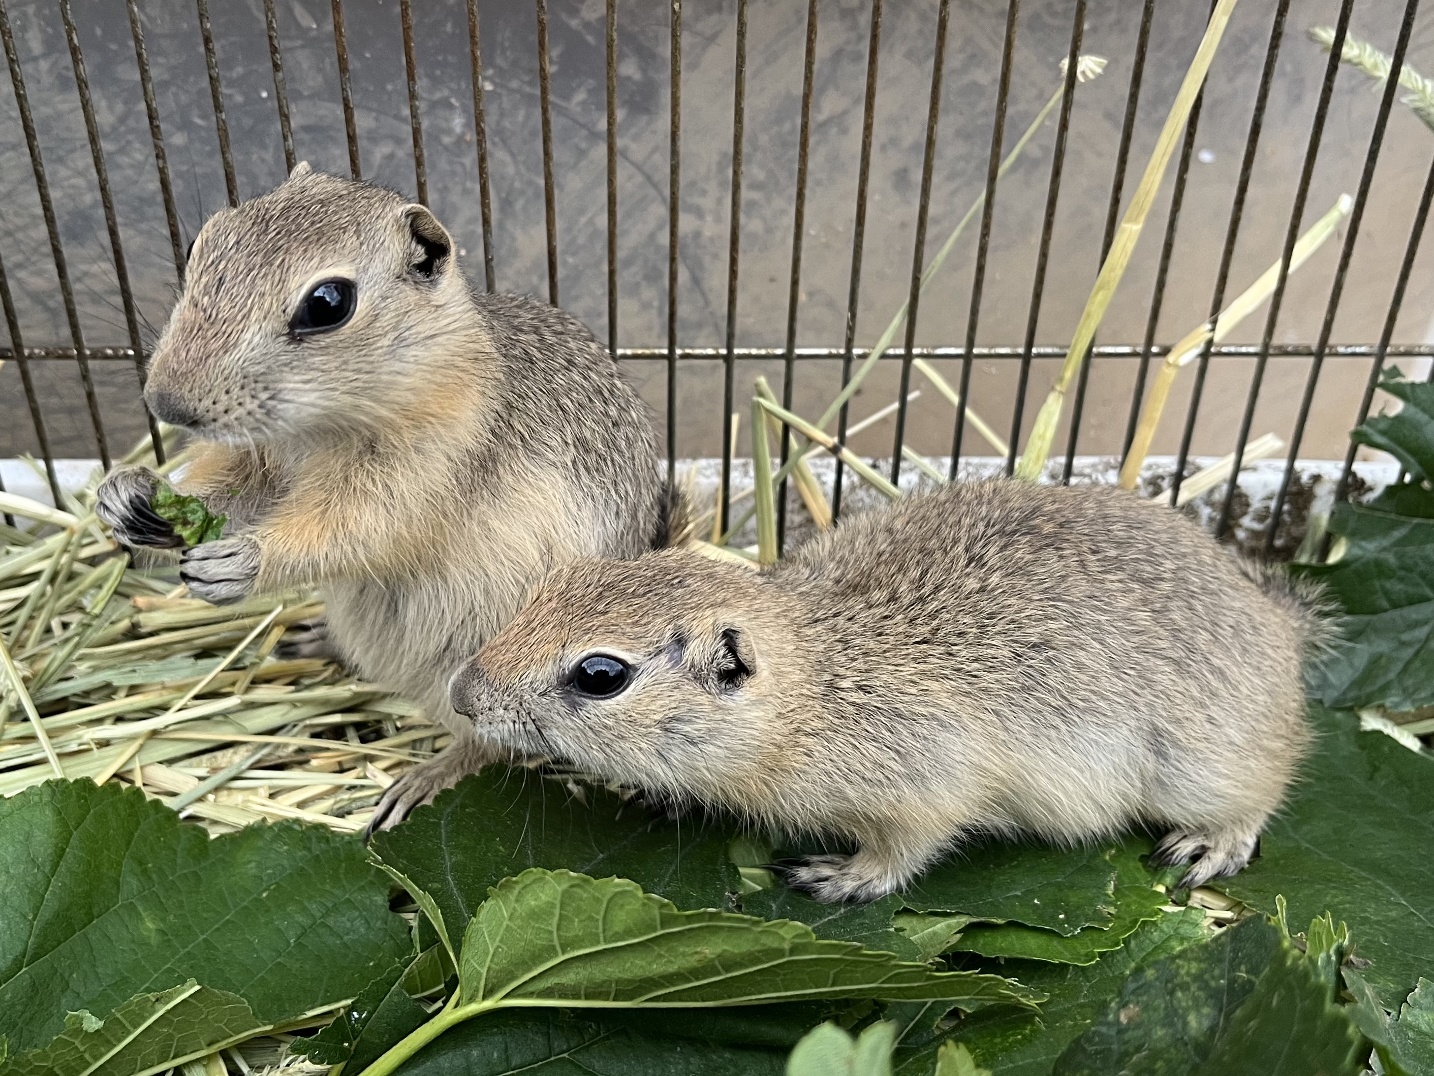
pixel 1303 598
pixel 675 521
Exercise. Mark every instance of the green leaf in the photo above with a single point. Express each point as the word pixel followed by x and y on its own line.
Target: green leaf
pixel 554 1042
pixel 1060 889
pixel 379 1017
pixel 932 934
pixel 1405 1043
pixel 189 517
pixel 1408 436
pixel 148 1033
pixel 1012 1042
pixel 869 925
pixel 827 1050
pixel 105 895
pixel 500 822
pixel 1384 653
pixel 1136 901
pixel 1241 1000
pixel 1411 1033
pixel 1352 841
pixel 1288 1026
pixel 953 1059
pixel 548 936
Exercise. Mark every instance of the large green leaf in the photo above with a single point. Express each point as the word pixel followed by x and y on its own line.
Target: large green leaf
pixel 1060 889
pixel 1242 1003
pixel 1384 653
pixel 105 895
pixel 1353 841
pixel 1405 1042
pixel 828 1050
pixel 550 936
pixel 554 1042
pixel 148 1033
pixel 869 925
pixel 501 822
pixel 1408 436
pixel 1012 1042
pixel 1136 901
pixel 379 1017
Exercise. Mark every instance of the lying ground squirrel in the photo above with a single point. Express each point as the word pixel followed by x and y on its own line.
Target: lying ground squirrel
pixel 995 657
pixel 424 453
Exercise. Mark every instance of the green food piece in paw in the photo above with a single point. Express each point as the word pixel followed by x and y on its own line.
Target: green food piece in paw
pixel 191 520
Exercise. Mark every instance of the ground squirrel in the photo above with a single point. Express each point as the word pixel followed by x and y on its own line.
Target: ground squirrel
pixel 996 657
pixel 370 424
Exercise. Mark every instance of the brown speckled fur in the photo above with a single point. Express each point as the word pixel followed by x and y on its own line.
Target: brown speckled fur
pixel 425 463
pixel 996 657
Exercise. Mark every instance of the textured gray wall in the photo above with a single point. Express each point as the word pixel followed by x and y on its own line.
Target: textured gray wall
pixel 776 40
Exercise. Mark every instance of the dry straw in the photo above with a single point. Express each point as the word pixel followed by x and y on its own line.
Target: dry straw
pixel 1043 432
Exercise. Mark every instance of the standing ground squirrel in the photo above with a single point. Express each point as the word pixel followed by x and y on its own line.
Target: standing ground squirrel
pixel 424 453
pixel 996 657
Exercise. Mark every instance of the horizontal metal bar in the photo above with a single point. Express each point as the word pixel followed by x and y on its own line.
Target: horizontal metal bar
pixel 1102 351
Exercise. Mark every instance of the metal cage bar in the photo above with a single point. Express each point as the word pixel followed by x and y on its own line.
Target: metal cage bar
pixel 799 217
pixel 1232 234
pixel 216 97
pixel 1291 236
pixel 734 253
pixel 52 231
pixel 993 168
pixel 281 88
pixel 545 108
pixel 346 90
pixel 1351 236
pixel 1048 223
pixel 863 179
pixel 918 253
pixel 415 113
pixel 674 210
pixel 156 137
pixel 480 136
pixel 610 90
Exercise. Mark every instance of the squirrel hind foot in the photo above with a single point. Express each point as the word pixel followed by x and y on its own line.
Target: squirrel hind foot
pixel 1210 855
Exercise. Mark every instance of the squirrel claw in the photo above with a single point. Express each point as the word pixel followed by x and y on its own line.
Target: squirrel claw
pixel 122 502
pixel 221 572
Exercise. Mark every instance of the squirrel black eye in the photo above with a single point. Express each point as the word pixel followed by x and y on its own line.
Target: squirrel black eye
pixel 601 676
pixel 327 307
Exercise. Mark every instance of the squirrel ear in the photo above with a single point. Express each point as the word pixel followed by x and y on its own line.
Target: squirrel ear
pixel 736 658
pixel 430 246
pixel 302 169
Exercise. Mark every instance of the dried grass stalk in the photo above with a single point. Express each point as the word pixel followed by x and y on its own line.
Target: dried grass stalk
pixel 1043 432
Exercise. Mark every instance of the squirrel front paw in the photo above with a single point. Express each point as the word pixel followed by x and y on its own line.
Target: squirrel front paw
pixel 123 502
pixel 221 572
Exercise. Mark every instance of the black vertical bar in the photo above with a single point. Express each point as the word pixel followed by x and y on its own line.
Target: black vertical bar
pixel 1376 371
pixel 610 37
pixel 341 53
pixel 983 244
pixel 550 210
pixel 799 216
pixel 734 245
pixel 918 254
pixel 1232 233
pixel 1351 235
pixel 52 229
pixel 1291 235
pixel 281 89
pixel 1162 271
pixel 216 95
pixel 1112 219
pixel 480 129
pixel 415 114
pixel 102 176
pixel 1043 252
pixel 674 209
pixel 156 137
pixel 17 347
pixel 863 178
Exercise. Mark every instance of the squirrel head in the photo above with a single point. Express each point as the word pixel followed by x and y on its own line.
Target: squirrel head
pixel 663 672
pixel 322 306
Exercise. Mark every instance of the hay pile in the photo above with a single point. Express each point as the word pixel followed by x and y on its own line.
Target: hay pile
pixel 108 671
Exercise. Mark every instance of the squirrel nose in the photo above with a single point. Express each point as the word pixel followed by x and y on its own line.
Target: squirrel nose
pixel 167 407
pixel 467 689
